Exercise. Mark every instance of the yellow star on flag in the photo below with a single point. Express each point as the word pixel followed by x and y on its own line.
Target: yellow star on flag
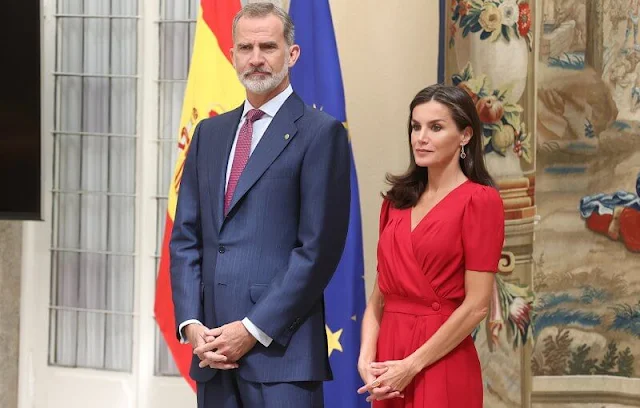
pixel 333 340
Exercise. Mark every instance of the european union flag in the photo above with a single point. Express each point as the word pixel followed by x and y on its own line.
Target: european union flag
pixel 317 79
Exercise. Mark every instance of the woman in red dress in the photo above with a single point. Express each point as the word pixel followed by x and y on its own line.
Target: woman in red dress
pixel 441 235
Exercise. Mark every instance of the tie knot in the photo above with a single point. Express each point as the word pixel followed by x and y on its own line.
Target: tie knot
pixel 254 114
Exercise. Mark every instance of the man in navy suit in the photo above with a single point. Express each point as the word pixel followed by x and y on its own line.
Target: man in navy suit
pixel 260 226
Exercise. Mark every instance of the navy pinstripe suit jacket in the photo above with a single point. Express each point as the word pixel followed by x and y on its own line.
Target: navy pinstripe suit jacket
pixel 272 256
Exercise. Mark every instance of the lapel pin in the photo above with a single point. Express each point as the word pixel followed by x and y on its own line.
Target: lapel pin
pixel 286 137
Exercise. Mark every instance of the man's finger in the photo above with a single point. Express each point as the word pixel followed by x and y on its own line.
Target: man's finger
pixel 203 348
pixel 224 366
pixel 217 365
pixel 213 357
pixel 218 344
pixel 215 332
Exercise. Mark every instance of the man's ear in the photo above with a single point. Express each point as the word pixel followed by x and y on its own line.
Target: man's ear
pixel 294 54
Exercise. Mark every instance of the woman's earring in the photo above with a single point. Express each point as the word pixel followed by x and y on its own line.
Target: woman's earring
pixel 463 155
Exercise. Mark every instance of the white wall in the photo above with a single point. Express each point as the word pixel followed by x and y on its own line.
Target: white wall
pixel 388 52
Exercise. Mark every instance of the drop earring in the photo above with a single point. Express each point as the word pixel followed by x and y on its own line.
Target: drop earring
pixel 463 155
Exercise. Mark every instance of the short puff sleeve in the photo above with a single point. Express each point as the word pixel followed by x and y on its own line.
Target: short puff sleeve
pixel 384 215
pixel 483 230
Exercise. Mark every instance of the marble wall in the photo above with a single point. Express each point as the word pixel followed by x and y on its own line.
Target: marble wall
pixel 10 258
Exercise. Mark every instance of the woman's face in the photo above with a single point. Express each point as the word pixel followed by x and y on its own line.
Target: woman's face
pixel 435 137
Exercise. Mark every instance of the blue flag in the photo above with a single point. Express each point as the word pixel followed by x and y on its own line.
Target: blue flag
pixel 317 79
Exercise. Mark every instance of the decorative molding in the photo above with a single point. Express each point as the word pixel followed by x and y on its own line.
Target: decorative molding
pixel 583 389
pixel 584 397
pixel 507 262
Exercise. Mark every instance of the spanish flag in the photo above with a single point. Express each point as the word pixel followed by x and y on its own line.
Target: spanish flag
pixel 212 88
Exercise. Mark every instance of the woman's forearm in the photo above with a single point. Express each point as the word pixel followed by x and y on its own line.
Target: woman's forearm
pixel 474 308
pixel 459 325
pixel 370 330
pixel 371 326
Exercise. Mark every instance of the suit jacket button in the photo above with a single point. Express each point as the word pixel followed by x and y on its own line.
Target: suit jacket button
pixel 222 249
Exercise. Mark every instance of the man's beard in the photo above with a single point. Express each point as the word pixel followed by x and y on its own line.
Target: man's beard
pixel 268 84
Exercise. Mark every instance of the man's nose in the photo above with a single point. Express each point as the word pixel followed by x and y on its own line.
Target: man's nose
pixel 256 58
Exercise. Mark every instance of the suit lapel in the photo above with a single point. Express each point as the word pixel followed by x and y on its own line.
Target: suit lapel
pixel 219 162
pixel 273 141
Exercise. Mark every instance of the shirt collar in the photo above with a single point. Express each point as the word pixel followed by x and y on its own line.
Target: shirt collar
pixel 273 105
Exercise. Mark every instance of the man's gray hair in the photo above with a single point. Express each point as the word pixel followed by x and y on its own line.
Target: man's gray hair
pixel 258 10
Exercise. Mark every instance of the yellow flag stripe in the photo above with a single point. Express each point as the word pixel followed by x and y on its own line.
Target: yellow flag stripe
pixel 212 89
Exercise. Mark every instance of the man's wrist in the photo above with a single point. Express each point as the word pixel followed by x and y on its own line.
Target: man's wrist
pixel 248 334
pixel 189 330
pixel 256 333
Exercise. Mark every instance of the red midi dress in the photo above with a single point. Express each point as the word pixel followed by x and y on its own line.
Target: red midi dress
pixel 421 277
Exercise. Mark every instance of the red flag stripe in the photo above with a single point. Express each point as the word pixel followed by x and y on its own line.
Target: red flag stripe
pixel 219 14
pixel 164 312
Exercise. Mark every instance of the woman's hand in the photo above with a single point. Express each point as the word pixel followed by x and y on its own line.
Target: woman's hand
pixel 394 379
pixel 365 373
pixel 368 373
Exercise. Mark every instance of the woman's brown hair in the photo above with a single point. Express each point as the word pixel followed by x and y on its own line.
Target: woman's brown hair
pixel 407 188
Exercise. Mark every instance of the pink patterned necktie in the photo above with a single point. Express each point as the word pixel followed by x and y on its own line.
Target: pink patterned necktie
pixel 241 156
